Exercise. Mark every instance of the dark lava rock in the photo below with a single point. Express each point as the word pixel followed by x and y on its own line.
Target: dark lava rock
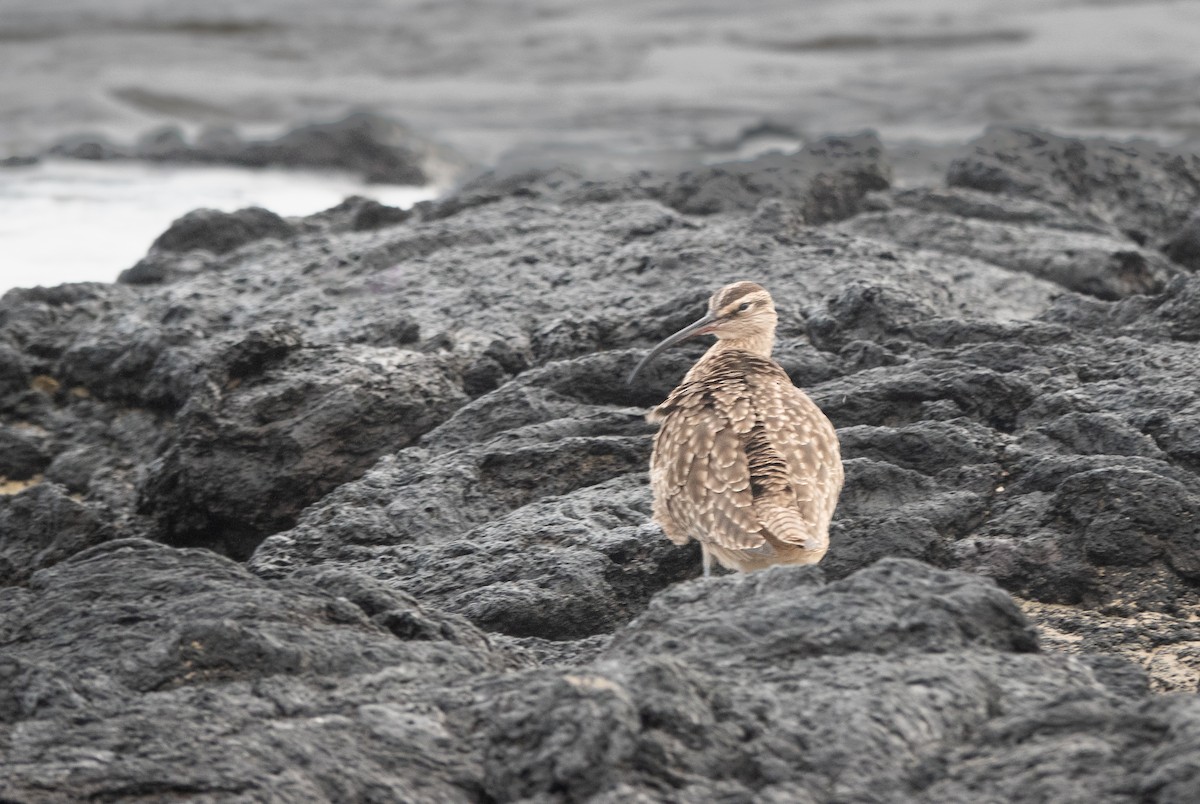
pixel 283 426
pixel 358 214
pixel 219 232
pixel 496 519
pixel 43 525
pixel 377 148
pixel 22 454
pixel 418 436
pixel 185 674
pixel 1184 245
pixel 247 681
pixel 167 266
pixel 825 181
pixel 1137 187
pixel 1100 265
pixel 114 363
pixel 14 375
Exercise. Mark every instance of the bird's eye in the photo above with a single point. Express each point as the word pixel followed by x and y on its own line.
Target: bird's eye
pixel 744 306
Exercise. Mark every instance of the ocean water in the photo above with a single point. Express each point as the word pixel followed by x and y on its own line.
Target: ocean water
pixel 72 221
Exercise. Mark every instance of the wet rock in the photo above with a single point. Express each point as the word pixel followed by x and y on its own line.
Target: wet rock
pixel 218 232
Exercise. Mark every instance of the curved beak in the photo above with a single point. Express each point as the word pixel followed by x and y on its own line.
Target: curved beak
pixel 693 329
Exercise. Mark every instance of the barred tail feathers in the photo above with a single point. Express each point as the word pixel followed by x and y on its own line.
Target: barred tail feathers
pixel 789 531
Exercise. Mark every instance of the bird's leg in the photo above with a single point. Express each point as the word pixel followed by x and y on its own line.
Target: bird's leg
pixel 707 563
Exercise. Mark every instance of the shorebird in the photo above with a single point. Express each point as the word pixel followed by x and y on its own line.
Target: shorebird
pixel 744 462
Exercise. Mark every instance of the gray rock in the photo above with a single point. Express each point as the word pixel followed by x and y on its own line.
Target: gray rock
pixel 277 425
pixel 495 520
pixel 180 673
pixel 379 149
pixel 358 214
pixel 825 181
pixel 418 437
pixel 1138 187
pixel 1184 245
pixel 14 375
pixel 218 232
pixel 1099 265
pixel 44 525
pixel 22 454
pixel 167 266
pixel 775 686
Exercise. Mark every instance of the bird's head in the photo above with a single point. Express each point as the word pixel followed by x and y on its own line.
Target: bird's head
pixel 742 311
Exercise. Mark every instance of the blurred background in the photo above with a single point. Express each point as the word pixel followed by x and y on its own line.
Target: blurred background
pixel 117 116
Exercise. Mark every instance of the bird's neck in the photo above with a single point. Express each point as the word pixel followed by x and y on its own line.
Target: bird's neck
pixel 760 345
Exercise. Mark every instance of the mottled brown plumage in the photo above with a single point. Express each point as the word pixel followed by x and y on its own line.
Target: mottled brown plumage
pixel 745 462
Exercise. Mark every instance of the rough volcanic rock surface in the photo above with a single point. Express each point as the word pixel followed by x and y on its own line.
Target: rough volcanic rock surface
pixel 1143 190
pixel 276 424
pixel 414 429
pixel 899 678
pixel 219 232
pixel 227 686
pixel 824 181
